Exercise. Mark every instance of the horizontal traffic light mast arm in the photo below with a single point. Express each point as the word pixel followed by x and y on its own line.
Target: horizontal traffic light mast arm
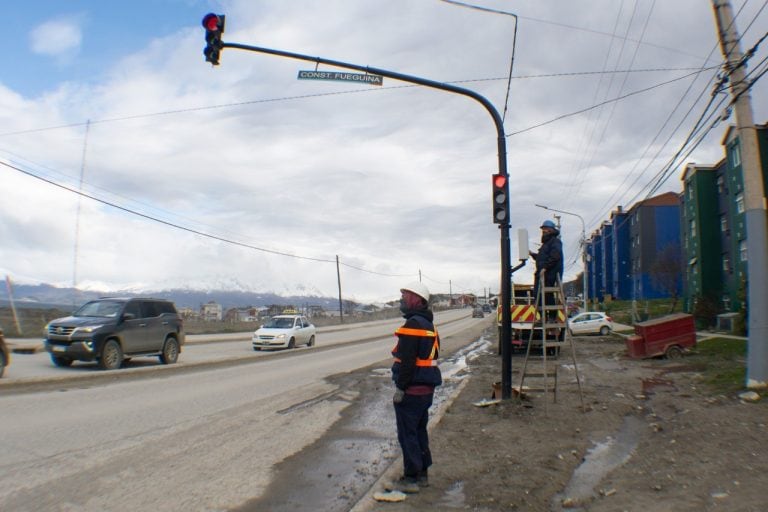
pixel 396 76
pixel 506 275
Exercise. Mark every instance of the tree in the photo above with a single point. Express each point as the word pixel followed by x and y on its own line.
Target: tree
pixel 666 273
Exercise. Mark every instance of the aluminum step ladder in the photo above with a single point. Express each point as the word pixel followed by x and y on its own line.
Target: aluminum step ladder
pixel 551 321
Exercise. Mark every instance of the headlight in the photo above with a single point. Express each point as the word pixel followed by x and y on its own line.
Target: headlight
pixel 280 337
pixel 86 329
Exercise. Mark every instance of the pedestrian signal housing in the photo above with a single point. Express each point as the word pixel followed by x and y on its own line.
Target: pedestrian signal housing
pixel 214 27
pixel 500 199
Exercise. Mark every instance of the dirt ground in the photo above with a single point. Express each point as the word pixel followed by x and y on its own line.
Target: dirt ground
pixel 653 438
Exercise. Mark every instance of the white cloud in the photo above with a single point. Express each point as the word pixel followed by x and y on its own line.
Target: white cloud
pixel 56 38
pixel 395 180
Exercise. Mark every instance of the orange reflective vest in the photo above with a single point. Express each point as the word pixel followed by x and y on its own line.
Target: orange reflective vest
pixel 431 360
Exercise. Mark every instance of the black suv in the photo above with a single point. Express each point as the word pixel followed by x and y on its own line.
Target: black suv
pixel 110 330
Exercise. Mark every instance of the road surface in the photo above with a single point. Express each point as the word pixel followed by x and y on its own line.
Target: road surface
pixel 192 436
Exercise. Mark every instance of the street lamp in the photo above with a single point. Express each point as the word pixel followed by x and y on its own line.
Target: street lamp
pixel 583 246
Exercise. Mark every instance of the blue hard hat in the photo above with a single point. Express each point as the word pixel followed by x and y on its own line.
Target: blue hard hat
pixel 548 224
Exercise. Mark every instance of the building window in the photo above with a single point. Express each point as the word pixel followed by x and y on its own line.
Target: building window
pixel 720 185
pixel 740 203
pixel 743 250
pixel 693 228
pixel 726 264
pixel 723 224
pixel 735 155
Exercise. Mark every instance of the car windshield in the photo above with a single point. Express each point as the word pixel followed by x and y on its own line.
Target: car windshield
pixel 279 323
pixel 102 308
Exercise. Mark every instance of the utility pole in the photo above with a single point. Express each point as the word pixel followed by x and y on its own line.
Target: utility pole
pixel 754 197
pixel 338 278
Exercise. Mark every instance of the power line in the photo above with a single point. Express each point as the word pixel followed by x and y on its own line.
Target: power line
pixel 319 95
pixel 514 40
pixel 620 193
pixel 621 89
pixel 599 32
pixel 592 118
pixel 618 98
pixel 679 103
pixel 191 230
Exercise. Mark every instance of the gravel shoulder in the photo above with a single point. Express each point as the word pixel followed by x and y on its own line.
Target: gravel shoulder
pixel 653 437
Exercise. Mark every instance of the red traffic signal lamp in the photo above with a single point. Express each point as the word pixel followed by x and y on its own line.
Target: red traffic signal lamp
pixel 214 27
pixel 500 199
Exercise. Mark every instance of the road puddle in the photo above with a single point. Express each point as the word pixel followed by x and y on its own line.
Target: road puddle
pixel 454 497
pixel 339 468
pixel 600 460
pixel 654 384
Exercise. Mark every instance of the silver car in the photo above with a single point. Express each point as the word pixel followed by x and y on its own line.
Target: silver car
pixel 284 331
pixel 593 322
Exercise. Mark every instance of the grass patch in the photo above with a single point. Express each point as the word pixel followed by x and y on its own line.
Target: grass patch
pixel 723 364
pixel 621 310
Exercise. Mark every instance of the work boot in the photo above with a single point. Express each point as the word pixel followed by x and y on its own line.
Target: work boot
pixel 408 485
pixel 423 479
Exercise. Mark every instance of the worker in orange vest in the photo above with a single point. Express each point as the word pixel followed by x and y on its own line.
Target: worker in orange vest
pixel 416 375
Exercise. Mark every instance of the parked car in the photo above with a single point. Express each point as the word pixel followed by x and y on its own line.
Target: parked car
pixel 284 331
pixel 110 330
pixel 5 356
pixel 593 322
pixel 478 312
pixel 486 308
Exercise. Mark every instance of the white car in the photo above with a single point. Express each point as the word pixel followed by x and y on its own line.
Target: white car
pixel 284 331
pixel 591 323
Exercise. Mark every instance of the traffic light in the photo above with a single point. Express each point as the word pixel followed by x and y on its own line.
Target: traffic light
pixel 500 199
pixel 214 27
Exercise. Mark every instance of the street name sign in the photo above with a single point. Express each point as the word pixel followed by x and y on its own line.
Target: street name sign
pixel 341 76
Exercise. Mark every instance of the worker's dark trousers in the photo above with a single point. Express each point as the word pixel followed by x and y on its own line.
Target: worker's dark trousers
pixel 412 415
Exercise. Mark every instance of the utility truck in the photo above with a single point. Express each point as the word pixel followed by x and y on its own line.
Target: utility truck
pixel 524 317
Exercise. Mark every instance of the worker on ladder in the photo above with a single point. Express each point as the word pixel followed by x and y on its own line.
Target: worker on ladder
pixel 549 261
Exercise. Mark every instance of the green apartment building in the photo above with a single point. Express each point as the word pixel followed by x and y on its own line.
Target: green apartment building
pixel 714 229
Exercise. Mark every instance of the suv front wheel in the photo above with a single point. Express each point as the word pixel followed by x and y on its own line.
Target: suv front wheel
pixel 111 356
pixel 170 351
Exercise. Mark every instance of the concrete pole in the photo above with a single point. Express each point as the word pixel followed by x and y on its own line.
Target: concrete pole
pixel 584 258
pixel 754 199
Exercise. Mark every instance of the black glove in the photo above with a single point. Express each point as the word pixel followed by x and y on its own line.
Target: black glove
pixel 398 396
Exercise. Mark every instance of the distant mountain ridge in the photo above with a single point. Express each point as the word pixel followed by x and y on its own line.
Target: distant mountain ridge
pixel 47 295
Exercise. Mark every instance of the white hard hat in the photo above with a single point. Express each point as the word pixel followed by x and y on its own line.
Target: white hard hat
pixel 418 288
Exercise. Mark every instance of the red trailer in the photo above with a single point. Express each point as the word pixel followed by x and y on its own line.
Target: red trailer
pixel 669 335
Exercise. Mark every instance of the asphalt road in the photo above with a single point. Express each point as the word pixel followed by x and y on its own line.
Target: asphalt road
pixel 203 434
pixel 32 363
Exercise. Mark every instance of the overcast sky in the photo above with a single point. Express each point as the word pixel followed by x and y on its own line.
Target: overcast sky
pixel 243 177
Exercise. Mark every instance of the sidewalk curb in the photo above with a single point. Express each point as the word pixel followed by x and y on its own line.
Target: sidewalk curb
pixel 366 502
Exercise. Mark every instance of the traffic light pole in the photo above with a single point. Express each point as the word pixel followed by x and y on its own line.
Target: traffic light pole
pixel 506 275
